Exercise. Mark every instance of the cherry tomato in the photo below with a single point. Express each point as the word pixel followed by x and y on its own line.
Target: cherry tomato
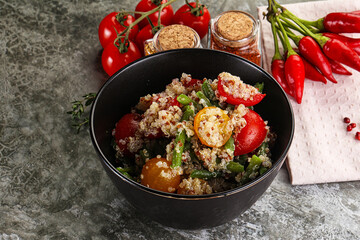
pixel 192 82
pixel 157 174
pixel 226 85
pixel 126 127
pixel 166 15
pixel 169 101
pixel 143 35
pixel 174 103
pixel 107 32
pixel 199 23
pixel 212 126
pixel 112 60
pixel 252 135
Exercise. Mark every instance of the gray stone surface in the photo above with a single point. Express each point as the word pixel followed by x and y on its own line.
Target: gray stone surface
pixel 52 185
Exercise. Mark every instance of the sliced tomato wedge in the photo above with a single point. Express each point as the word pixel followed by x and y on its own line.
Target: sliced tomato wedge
pixel 237 92
pixel 170 102
pixel 192 82
pixel 174 103
pixel 252 135
pixel 126 127
pixel 212 126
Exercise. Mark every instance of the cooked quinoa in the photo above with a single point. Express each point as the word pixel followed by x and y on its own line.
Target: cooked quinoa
pixel 186 139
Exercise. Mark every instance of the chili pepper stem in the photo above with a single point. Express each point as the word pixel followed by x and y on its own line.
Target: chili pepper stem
pixel 292 25
pixel 277 54
pixel 318 24
pixel 288 48
pixel 319 38
pixel 294 37
pixel 286 13
pixel 280 37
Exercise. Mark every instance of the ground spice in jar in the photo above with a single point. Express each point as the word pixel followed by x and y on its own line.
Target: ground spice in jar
pixel 149 47
pixel 236 32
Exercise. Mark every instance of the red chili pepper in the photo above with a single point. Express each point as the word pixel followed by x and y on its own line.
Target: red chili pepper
pixel 333 48
pixel 312 73
pixel 235 100
pixel 278 64
pixel 338 68
pixel 278 72
pixel 340 22
pixel 294 66
pixel 353 43
pixel 339 51
pixel 295 75
pixel 311 52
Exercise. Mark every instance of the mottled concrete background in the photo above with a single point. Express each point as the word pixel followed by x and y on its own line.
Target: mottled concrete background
pixel 52 185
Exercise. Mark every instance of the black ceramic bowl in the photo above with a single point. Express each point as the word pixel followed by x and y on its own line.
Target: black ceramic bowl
pixel 150 75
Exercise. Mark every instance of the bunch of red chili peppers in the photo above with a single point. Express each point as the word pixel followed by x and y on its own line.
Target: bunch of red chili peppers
pixel 321 50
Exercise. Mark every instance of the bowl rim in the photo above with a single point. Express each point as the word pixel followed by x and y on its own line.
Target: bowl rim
pixel 141 187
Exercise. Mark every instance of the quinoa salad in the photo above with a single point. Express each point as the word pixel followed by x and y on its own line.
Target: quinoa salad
pixel 198 136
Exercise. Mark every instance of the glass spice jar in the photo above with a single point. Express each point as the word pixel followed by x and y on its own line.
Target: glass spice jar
pixel 172 37
pixel 236 32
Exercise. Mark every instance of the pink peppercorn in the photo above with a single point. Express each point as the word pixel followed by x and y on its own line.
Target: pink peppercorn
pixel 346 120
pixel 349 128
pixel 357 135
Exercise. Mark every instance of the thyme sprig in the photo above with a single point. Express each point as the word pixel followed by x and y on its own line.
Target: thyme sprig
pixel 78 110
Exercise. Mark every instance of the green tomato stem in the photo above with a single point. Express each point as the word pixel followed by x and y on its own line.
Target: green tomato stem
pixel 122 45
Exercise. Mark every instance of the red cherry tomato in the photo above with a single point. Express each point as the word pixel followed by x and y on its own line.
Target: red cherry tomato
pixel 112 60
pixel 126 127
pixel 174 103
pixel 230 98
pixel 107 32
pixel 169 102
pixel 143 35
pixel 199 23
pixel 252 135
pixel 192 82
pixel 166 15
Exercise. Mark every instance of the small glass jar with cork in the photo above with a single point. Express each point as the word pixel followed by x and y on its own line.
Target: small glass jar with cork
pixel 172 37
pixel 236 32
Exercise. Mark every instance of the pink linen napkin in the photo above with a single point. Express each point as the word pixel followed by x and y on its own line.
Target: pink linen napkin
pixel 323 150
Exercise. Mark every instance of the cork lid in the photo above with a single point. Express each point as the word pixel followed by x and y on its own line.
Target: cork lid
pixel 177 36
pixel 235 26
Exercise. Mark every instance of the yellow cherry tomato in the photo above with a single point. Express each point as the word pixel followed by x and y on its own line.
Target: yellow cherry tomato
pixel 212 126
pixel 157 174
